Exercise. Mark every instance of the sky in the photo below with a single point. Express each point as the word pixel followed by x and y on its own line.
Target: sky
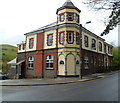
pixel 21 16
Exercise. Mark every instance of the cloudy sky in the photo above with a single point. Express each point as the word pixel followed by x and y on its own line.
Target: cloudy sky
pixel 21 16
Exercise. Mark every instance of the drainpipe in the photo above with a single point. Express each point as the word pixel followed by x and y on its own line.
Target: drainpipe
pixel 80 48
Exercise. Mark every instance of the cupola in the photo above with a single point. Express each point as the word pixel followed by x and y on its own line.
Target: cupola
pixel 68 13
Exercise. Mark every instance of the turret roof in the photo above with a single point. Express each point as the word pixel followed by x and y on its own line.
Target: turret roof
pixel 68 4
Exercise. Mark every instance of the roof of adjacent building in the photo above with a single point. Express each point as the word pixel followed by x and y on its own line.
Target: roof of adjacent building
pixel 12 61
pixel 68 4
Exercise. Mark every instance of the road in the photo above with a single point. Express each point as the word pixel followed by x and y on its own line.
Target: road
pixel 105 89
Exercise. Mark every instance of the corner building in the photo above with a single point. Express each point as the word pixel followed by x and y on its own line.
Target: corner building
pixel 58 50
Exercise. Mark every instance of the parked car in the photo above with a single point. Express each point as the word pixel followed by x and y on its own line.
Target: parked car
pixel 3 76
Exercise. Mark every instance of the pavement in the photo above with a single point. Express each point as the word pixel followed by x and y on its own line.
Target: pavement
pixel 55 81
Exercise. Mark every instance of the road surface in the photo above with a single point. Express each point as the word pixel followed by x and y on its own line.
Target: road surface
pixel 105 89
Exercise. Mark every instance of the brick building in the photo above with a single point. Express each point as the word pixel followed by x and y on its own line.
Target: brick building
pixel 62 48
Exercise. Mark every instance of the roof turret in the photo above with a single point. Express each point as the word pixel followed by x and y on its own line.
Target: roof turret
pixel 68 4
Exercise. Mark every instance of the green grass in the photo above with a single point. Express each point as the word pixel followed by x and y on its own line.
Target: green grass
pixel 8 53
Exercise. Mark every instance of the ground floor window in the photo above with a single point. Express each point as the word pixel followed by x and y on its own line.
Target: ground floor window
pixel 49 62
pixel 30 62
pixel 86 66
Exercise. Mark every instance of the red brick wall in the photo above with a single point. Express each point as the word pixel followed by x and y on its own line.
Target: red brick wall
pixel 40 40
pixel 38 64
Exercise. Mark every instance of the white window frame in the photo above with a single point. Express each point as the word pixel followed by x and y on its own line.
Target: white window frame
pixel 49 61
pixel 30 62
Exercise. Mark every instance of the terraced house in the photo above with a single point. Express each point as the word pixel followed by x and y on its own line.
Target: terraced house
pixel 62 48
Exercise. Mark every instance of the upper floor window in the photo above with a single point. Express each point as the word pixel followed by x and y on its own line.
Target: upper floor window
pixel 19 47
pixel 31 43
pixel 70 37
pixel 86 41
pixel 30 62
pixel 23 46
pixel 100 46
pixel 61 38
pixel 70 16
pixel 93 44
pixel 105 48
pixel 62 17
pixel 49 39
pixel 49 62
pixel 77 38
pixel 109 50
pixel 77 18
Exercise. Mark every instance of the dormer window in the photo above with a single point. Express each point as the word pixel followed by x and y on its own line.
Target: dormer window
pixel 62 17
pixel 70 16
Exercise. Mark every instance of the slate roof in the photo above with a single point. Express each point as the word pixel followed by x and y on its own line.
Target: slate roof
pixel 42 28
pixel 68 4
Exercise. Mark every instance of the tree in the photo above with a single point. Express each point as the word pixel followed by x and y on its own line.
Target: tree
pixel 108 5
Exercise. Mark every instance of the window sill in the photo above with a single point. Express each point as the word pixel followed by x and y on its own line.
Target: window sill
pixel 49 68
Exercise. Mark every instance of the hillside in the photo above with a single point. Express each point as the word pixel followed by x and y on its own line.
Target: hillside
pixel 8 53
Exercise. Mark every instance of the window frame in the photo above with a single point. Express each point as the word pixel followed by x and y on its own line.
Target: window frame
pixel 61 40
pixel 72 37
pixel 31 43
pixel 49 40
pixel 62 19
pixel 77 19
pixel 86 41
pixel 19 47
pixel 62 61
pixel 77 38
pixel 86 62
pixel 70 18
pixel 100 46
pixel 49 61
pixel 94 44
pixel 31 62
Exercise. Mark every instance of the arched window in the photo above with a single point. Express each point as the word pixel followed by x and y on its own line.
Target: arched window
pixel 61 62
pixel 61 38
pixel 100 46
pixel 30 62
pixel 49 62
pixel 93 44
pixel 86 41
pixel 70 37
pixel 77 62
